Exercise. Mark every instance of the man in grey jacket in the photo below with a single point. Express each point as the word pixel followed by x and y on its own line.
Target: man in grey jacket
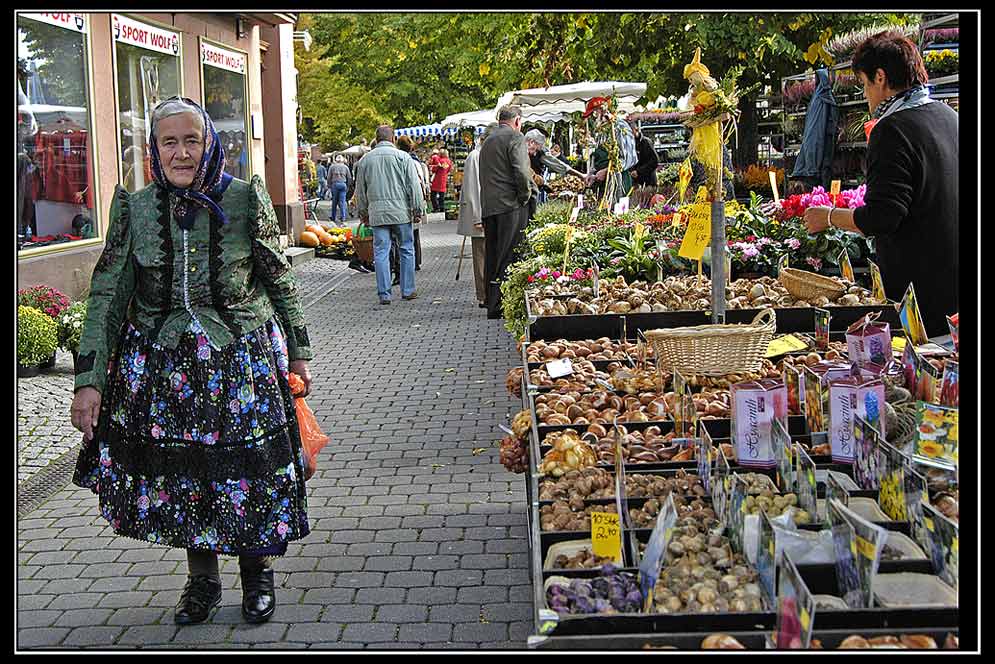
pixel 389 199
pixel 505 188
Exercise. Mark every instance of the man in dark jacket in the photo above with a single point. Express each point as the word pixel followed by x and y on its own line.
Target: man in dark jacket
pixel 912 204
pixel 505 189
pixel 644 172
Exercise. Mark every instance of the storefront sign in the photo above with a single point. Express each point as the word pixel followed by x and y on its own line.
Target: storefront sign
pixel 222 58
pixel 68 20
pixel 144 35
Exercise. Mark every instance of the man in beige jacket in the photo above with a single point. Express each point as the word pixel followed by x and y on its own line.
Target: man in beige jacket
pixel 469 215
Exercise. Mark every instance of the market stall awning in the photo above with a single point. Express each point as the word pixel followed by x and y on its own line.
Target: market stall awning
pixel 480 118
pixel 425 130
pixel 574 92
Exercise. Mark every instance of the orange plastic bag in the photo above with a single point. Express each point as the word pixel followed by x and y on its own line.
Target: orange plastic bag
pixel 312 438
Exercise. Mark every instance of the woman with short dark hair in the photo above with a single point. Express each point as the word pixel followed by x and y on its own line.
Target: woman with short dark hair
pixel 912 203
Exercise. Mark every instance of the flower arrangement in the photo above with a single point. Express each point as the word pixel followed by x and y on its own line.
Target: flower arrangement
pixel 755 177
pixel 842 47
pixel 545 274
pixel 71 326
pixel 942 63
pixel 37 336
pixel 44 298
pixel 941 36
pixel 798 94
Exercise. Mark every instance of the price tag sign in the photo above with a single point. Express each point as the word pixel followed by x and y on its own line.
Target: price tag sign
pixel 675 219
pixel 559 368
pixel 773 186
pixel 834 191
pixel 795 607
pixel 846 268
pixel 623 205
pixel 822 317
pixel 580 201
pixel 789 343
pixel 898 345
pixel 782 263
pixel 698 233
pixel 877 284
pixel 573 215
pixel 606 536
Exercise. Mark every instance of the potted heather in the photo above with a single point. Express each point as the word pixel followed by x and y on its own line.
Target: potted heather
pixel 37 339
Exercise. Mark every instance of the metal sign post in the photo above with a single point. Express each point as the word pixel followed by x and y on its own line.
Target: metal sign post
pixel 719 275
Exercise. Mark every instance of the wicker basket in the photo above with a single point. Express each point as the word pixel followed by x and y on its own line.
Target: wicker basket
pixel 364 248
pixel 809 285
pixel 714 350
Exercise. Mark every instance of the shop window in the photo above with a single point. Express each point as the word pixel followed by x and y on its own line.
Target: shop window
pixel 148 70
pixel 55 190
pixel 225 90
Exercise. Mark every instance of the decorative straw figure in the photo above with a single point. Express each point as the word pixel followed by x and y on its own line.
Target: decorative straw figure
pixel 706 124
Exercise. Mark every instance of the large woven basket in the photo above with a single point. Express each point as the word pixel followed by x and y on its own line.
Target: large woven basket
pixel 364 248
pixel 714 350
pixel 806 285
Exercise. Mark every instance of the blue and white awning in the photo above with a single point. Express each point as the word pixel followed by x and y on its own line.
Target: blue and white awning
pixel 424 131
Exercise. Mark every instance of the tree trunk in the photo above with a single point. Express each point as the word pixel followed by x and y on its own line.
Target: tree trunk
pixel 746 152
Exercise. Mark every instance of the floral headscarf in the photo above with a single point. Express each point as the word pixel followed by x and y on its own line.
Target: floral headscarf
pixel 209 182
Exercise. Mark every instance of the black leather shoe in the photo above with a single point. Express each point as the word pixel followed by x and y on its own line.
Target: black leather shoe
pixel 200 597
pixel 258 595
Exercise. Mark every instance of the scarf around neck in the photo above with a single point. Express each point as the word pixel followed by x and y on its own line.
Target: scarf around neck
pixel 210 180
pixel 912 98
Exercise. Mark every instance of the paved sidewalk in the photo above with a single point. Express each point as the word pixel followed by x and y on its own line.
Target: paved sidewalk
pixel 419 536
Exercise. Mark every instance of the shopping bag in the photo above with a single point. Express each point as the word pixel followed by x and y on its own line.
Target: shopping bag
pixel 312 438
pixel 363 231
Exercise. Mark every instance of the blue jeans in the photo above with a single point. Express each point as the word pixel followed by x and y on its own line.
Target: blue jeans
pixel 382 238
pixel 339 190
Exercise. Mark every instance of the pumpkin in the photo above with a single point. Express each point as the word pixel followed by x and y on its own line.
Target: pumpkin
pixel 314 228
pixel 309 239
pixel 325 239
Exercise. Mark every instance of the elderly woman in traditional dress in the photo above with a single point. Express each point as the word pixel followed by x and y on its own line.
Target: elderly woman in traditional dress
pixel 194 323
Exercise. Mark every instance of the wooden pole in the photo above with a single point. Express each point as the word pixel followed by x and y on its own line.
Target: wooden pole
pixel 719 242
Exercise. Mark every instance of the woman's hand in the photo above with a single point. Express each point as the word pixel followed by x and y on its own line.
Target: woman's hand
pixel 300 368
pixel 817 219
pixel 85 410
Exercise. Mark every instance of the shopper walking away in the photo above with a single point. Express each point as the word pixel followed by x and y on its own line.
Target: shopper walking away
pixel 644 172
pixel 388 198
pixel 190 430
pixel 440 174
pixel 470 224
pixel 322 176
pixel 339 179
pixel 405 145
pixel 912 201
pixel 505 189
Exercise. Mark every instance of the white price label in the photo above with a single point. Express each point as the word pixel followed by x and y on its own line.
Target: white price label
pixel 573 215
pixel 560 368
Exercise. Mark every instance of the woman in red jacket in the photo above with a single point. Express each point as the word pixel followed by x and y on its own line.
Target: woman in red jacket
pixel 440 167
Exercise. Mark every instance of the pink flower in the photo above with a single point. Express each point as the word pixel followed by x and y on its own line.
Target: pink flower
pixel 556 274
pixel 282 529
pixel 157 431
pixel 793 243
pixel 814 262
pixel 143 503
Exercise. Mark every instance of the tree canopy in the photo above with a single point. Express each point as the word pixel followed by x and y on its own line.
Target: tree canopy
pixel 410 69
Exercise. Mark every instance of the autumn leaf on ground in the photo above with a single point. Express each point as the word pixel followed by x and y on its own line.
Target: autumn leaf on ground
pixel 479 450
pixel 450 370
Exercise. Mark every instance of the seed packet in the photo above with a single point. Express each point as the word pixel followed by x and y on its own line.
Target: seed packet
pixel 944 550
pixel 891 494
pixel 817 379
pixel 911 319
pixel 795 608
pixel 649 566
pixel 822 318
pixel 950 390
pixel 795 385
pixel 721 485
pixel 752 414
pixel 807 488
pixel 867 464
pixel 866 546
pixel 783 450
pixel 953 322
pixel 704 456
pixel 937 432
pixel 835 490
pixel 848 398
pixel 737 512
pixel 765 558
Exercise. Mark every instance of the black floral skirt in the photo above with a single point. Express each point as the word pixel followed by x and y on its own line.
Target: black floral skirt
pixel 199 448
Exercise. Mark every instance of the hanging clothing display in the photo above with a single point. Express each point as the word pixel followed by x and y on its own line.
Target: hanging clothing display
pixel 61 157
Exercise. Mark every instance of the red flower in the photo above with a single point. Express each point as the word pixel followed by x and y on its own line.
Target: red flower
pixel 699 108
pixel 751 238
pixel 531 278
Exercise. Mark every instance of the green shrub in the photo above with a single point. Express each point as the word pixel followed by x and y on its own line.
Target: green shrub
pixel 37 336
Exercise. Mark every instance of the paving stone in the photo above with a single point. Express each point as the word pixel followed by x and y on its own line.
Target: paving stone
pixel 96 556
pixel 51 558
pixel 397 535
pixel 314 632
pixel 57 587
pixel 99 570
pixel 408 579
pixel 358 580
pixel 371 549
pixel 461 548
pixel 436 562
pixel 507 612
pixel 455 613
pixel 353 536
pixel 484 561
pixel 415 548
pixel 369 632
pixel 458 578
pixel 42 618
pixel 440 534
pixel 33 602
pixel 508 546
pixel 138 616
pixel 203 633
pixel 382 596
pixel 310 580
pixel 296 613
pixel 520 593
pixel 125 599
pixel 389 564
pixel 432 596
pixel 341 564
pixel 84 617
pixel 265 633
pixel 349 613
pixel 480 632
pixel 402 613
pixel 329 596
pixel 42 637
pixel 506 577
pixel 93 636
pixel 481 594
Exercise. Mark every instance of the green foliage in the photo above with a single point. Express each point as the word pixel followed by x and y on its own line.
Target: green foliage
pixel 513 294
pixel 37 336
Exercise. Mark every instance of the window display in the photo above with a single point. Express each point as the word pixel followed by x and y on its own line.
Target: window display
pixel 225 90
pixel 55 197
pixel 147 63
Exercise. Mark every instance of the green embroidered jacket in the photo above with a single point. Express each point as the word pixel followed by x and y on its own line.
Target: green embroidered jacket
pixel 232 276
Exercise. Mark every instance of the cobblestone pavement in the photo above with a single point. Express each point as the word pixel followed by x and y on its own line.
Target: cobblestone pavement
pixel 419 535
pixel 44 432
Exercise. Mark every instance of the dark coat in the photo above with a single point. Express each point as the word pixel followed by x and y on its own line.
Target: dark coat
pixel 505 173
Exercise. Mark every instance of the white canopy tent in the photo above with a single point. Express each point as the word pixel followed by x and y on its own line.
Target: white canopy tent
pixel 430 130
pixel 574 92
pixel 480 118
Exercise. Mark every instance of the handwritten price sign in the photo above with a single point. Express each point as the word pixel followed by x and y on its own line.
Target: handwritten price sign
pixel 606 536
pixel 698 233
